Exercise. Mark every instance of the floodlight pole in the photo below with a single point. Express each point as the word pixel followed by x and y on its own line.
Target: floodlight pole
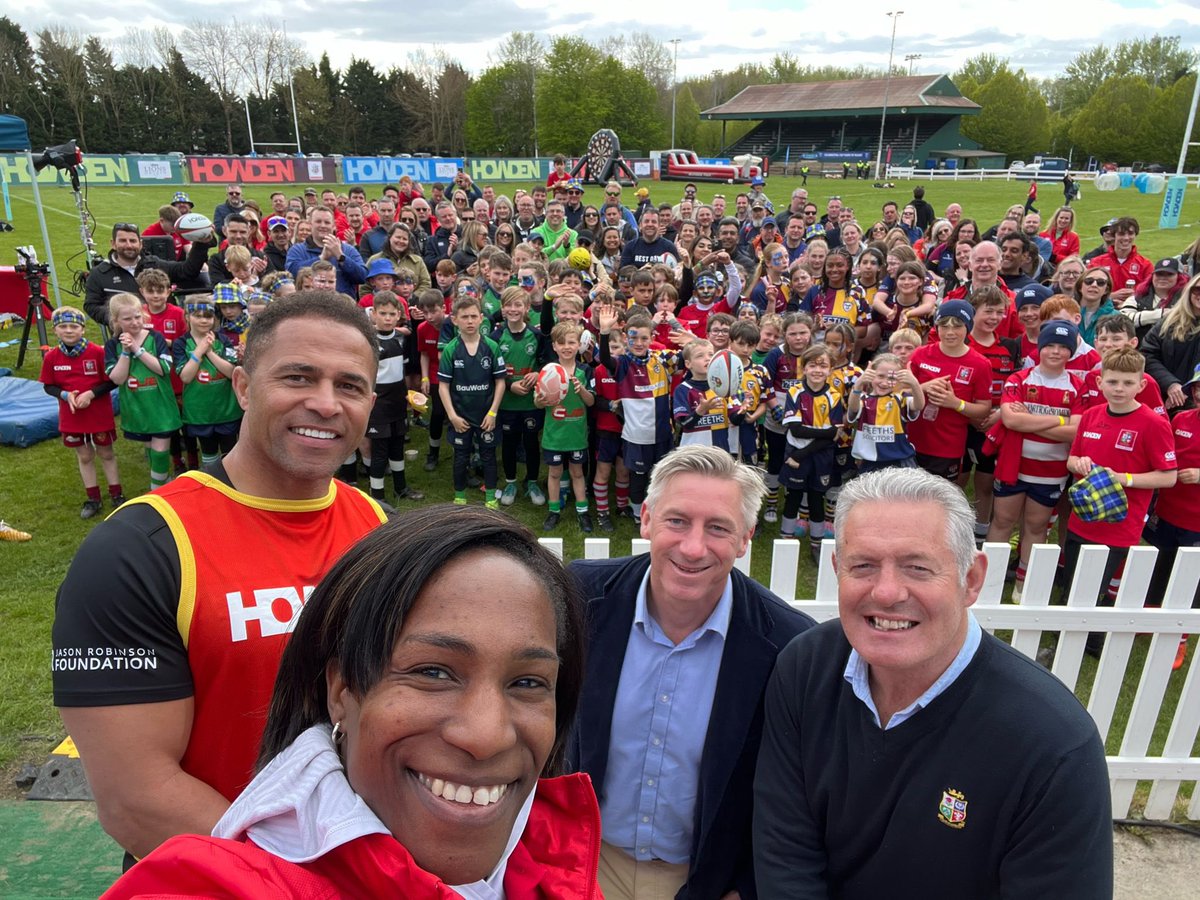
pixel 674 88
pixel 887 82
pixel 910 59
pixel 1187 132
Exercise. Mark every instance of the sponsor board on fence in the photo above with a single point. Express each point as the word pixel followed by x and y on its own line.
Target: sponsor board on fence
pixel 385 169
pixel 258 170
pixel 99 170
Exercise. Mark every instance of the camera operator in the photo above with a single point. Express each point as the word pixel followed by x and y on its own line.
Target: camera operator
pixel 118 273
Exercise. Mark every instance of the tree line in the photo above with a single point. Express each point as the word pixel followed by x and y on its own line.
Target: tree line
pixel 151 91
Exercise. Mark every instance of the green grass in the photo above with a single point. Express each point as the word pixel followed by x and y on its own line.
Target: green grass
pixel 40 490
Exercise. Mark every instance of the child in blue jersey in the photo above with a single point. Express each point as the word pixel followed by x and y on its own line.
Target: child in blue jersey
pixel 812 415
pixel 700 413
pixel 883 400
pixel 643 379
pixel 471 376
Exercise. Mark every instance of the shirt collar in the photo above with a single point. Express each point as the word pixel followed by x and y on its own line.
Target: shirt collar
pixel 717 622
pixel 856 674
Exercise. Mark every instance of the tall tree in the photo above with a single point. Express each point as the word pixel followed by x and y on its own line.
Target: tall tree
pixel 1014 119
pixel 1169 113
pixel 1115 124
pixel 65 83
pixel 212 49
pixel 500 112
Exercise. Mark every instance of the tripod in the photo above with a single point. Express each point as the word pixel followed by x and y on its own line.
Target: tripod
pixel 35 274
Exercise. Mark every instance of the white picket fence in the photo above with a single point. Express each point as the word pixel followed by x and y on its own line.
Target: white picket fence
pixel 1081 176
pixel 1072 623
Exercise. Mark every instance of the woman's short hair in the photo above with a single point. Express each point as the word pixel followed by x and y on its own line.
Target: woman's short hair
pixel 900 488
pixel 356 614
pixel 714 463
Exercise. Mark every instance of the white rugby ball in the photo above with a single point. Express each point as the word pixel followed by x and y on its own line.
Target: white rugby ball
pixel 552 383
pixel 725 373
pixel 194 226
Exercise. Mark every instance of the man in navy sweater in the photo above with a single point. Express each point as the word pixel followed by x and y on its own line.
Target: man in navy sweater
pixel 908 754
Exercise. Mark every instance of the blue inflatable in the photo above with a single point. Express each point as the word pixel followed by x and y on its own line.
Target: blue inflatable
pixel 27 413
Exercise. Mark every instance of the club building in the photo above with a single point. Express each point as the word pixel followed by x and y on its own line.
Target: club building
pixel 834 121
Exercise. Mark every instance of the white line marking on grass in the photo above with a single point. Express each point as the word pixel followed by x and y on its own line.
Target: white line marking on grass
pixel 70 214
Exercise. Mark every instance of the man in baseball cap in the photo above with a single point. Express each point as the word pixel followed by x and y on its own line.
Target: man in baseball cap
pixel 278 243
pixel 1108 235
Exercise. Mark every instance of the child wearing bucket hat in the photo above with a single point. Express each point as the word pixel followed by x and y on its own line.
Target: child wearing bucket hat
pixel 1137 449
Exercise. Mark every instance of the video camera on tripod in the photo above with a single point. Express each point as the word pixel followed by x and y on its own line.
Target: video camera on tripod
pixel 34 273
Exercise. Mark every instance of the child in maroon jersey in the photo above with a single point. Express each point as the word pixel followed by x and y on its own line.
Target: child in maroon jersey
pixel 1137 448
pixel 74 373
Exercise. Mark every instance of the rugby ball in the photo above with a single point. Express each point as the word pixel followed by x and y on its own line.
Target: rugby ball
pixel 580 258
pixel 551 384
pixel 725 373
pixel 194 226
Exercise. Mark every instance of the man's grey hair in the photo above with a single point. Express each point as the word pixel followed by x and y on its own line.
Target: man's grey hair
pixel 900 488
pixel 712 462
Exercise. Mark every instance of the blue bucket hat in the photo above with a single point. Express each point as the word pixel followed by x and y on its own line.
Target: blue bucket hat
pixel 380 267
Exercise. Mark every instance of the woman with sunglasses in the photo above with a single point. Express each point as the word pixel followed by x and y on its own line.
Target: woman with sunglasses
pixel 1093 292
pixel 908 222
pixel 877 232
pixel 505 238
pixel 591 219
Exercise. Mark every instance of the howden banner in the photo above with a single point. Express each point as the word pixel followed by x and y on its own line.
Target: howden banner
pixel 260 170
pixel 487 170
pixel 387 170
pixel 99 170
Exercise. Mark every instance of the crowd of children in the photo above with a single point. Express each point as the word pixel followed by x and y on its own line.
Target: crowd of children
pixel 854 357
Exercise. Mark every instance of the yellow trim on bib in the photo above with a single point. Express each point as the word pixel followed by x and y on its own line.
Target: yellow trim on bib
pixel 187 562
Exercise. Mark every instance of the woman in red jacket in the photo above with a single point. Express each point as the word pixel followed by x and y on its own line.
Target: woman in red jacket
pixel 427 690
pixel 1061 234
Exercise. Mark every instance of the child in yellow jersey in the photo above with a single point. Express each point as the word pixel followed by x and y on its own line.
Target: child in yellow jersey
pixel 883 400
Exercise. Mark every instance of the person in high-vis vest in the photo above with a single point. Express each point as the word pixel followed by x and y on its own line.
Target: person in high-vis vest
pixel 173 615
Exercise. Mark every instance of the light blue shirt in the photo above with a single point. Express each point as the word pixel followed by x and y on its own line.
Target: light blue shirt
pixel 856 674
pixel 660 720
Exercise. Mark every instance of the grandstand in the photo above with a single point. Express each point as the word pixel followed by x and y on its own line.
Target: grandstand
pixel 818 120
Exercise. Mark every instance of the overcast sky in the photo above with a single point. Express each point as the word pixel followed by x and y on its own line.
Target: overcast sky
pixel 1040 37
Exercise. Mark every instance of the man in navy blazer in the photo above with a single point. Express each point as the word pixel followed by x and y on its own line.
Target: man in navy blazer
pixel 680 649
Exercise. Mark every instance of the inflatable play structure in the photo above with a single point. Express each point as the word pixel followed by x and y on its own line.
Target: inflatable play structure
pixel 684 165
pixel 602 161
pixel 1142 182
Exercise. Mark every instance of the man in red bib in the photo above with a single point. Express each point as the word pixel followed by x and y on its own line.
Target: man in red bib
pixel 173 615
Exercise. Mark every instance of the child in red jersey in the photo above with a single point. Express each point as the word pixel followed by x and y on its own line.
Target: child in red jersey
pixel 1040 410
pixel 1064 308
pixel 958 389
pixel 1176 519
pixel 608 437
pixel 1137 448
pixel 429 349
pixel 1002 354
pixel 74 373
pixel 1114 332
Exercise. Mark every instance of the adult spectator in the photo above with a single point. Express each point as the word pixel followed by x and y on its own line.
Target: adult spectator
pixel 238 233
pixel 1189 259
pixel 833 210
pixel 1172 347
pixel 649 246
pixel 793 238
pixel 233 203
pixel 901 735
pixel 526 219
pixel 324 244
pixel 1152 300
pixel 795 208
pixel 925 213
pixel 168 215
pixel 574 205
pixel 463 182
pixel 376 238
pixel 183 203
pixel 1127 267
pixel 908 224
pixel 954 212
pixel 424 213
pixel 1106 241
pixel 753 226
pixel 279 207
pixel 358 224
pixel 278 243
pixel 704 220
pixel 167 587
pixel 557 238
pixel 1031 225
pixel 891 214
pixel 729 238
pixel 1016 255
pixel 118 273
pixel 404 257
pixel 984 268
pixel 1061 234
pixel 679 627
pixel 613 218
pixel 443 242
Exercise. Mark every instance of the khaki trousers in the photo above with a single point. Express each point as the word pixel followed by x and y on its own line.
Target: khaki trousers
pixel 624 878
